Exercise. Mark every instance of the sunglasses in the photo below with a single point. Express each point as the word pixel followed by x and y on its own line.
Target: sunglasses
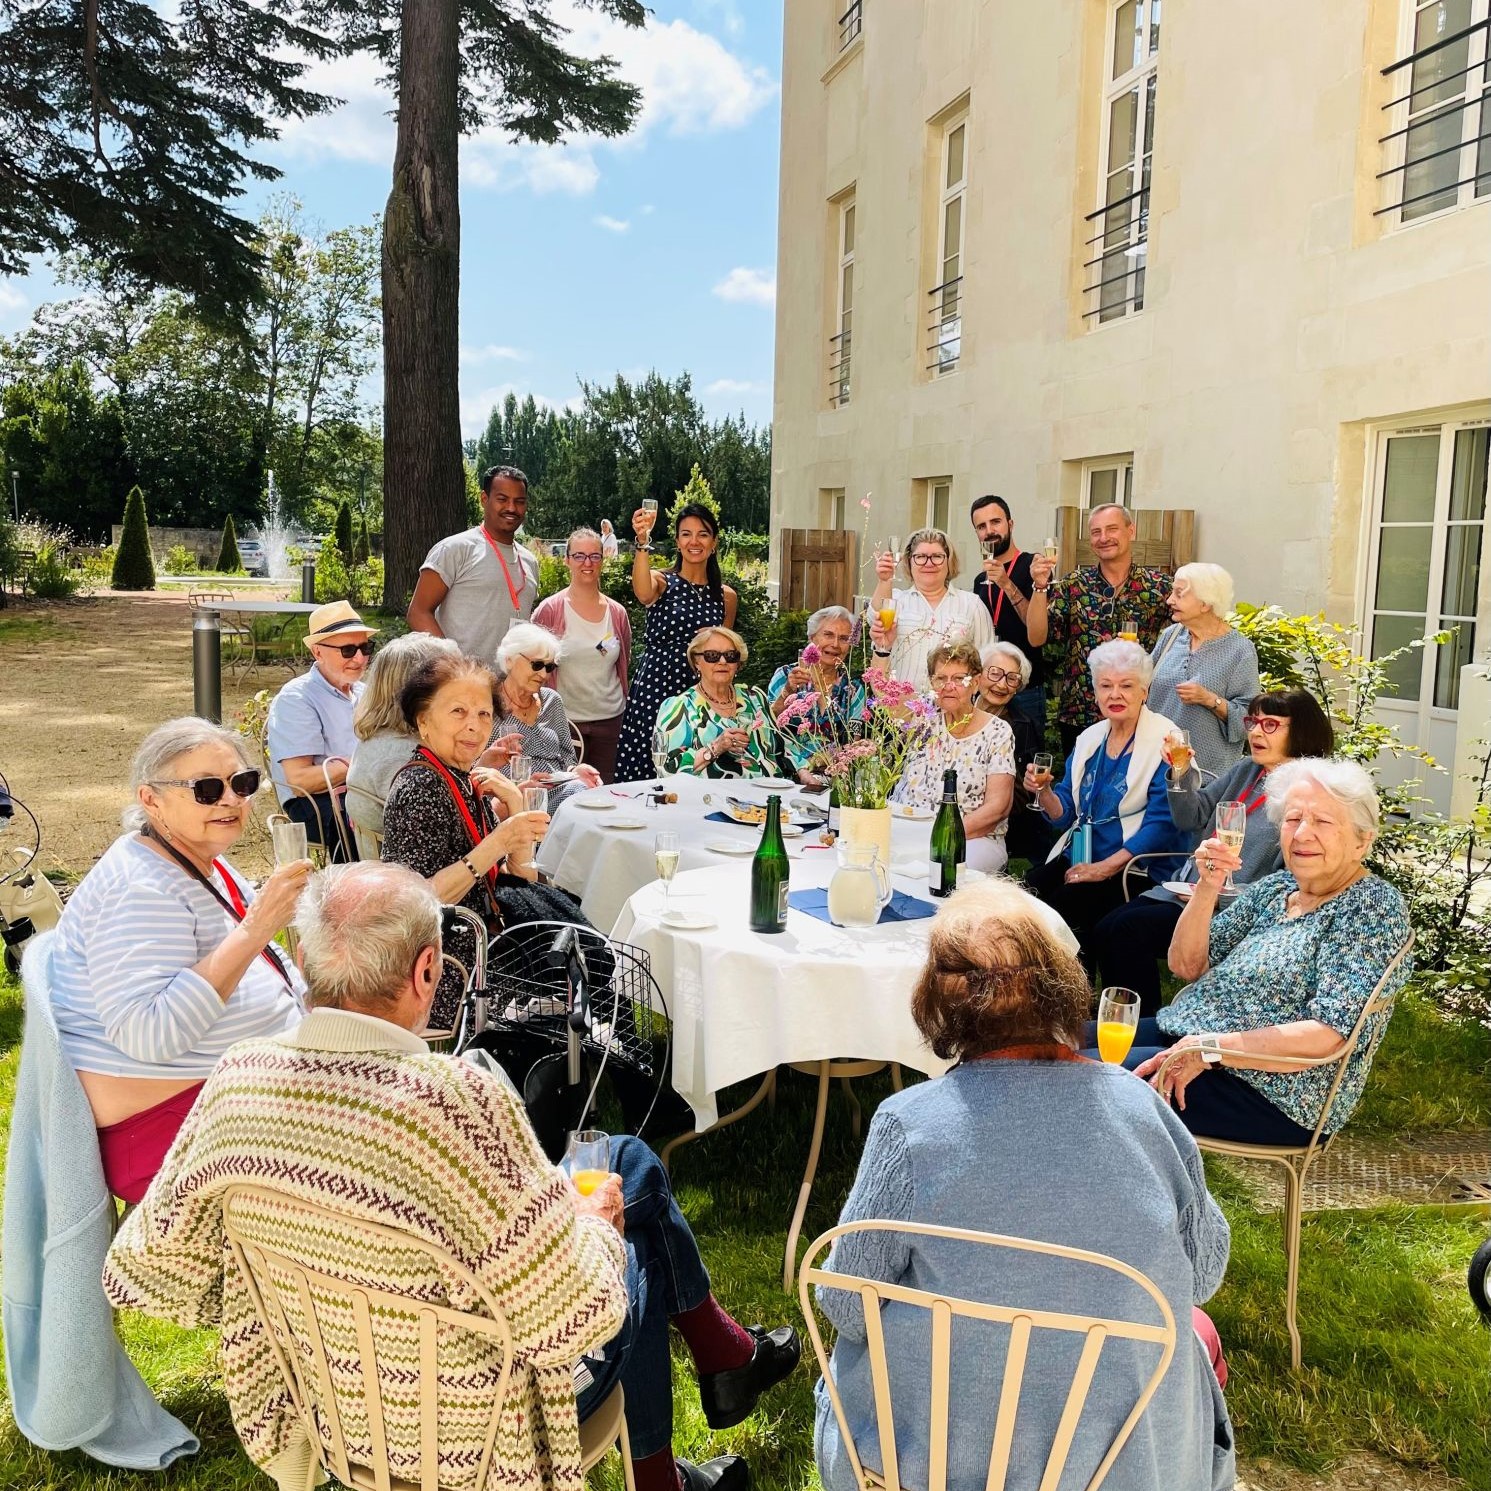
pixel 542 667
pixel 349 650
pixel 714 655
pixel 1268 723
pixel 209 790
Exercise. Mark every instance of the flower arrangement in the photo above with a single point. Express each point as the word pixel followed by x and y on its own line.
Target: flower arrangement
pixel 862 752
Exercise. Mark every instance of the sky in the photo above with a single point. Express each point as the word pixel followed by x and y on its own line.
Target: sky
pixel 582 260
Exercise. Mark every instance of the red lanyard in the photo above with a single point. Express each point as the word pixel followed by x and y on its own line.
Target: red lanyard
pixel 999 604
pixel 459 798
pixel 513 591
pixel 1251 804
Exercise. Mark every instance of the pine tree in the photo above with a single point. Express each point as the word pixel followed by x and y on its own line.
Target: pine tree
pixel 134 569
pixel 228 562
pixel 362 549
pixel 344 533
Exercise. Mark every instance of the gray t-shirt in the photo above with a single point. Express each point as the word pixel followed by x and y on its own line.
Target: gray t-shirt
pixel 478 604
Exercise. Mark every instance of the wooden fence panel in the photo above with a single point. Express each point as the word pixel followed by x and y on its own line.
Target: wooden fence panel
pixel 1165 538
pixel 819 567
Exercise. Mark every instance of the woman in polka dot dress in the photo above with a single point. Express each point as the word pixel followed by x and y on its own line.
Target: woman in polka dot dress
pixel 679 602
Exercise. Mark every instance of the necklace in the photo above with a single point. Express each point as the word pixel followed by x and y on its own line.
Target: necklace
pixel 729 703
pixel 522 708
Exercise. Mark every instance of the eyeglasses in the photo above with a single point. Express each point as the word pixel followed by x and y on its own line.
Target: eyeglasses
pixel 715 655
pixel 1268 723
pixel 584 558
pixel 994 675
pixel 928 560
pixel 349 650
pixel 543 666
pixel 209 790
pixel 960 682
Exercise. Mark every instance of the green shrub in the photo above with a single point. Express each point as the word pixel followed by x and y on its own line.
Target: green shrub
pixel 362 546
pixel 180 560
pixel 695 489
pixel 228 562
pixel 553 576
pixel 52 578
pixel 738 545
pixel 343 532
pixel 95 570
pixel 134 569
pixel 333 583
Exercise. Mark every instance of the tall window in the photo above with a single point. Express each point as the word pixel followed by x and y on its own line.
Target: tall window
pixel 945 318
pixel 939 502
pixel 851 22
pixel 831 500
pixel 1117 243
pixel 1108 480
pixel 1438 146
pixel 840 344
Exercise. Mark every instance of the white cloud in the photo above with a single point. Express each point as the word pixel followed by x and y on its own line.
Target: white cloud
pixel 751 286
pixel 11 299
pixel 612 224
pixel 733 385
pixel 476 408
pixel 491 353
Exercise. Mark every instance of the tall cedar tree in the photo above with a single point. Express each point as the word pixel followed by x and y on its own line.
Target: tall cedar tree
pixel 134 569
pixel 344 532
pixel 454 65
pixel 228 562
pixel 362 547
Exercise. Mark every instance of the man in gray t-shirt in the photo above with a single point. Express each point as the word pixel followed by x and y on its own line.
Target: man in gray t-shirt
pixel 473 585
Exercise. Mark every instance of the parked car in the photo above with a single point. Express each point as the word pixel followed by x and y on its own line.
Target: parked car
pixel 254 557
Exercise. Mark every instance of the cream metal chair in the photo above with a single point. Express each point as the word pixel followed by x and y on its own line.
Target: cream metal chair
pixel 233 629
pixel 1295 1160
pixel 1023 1323
pixel 369 842
pixel 312 1318
pixel 577 741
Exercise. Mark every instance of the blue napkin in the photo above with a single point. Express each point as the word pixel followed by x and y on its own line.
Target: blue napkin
pixel 901 908
pixel 726 818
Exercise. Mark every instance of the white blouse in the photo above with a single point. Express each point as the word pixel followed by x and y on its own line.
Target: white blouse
pixel 960 616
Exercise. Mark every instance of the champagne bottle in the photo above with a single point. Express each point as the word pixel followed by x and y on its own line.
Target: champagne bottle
pixel 949 842
pixel 769 874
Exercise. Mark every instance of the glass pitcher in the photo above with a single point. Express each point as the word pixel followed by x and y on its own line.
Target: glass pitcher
pixel 860 888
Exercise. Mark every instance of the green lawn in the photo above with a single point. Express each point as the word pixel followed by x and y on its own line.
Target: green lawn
pixel 1395 1360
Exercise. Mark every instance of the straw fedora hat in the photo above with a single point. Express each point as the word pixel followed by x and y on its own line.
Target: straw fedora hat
pixel 332 622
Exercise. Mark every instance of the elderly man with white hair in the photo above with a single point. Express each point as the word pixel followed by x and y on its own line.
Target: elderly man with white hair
pixel 822 669
pixel 1205 671
pixel 351 1110
pixel 531 720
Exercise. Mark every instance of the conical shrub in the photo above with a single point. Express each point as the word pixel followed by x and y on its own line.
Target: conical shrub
pixel 363 548
pixel 228 562
pixel 344 532
pixel 134 569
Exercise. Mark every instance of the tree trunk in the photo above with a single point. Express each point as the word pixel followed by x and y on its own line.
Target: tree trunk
pixel 423 476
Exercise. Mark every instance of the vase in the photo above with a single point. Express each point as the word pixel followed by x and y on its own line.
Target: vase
pixel 867 826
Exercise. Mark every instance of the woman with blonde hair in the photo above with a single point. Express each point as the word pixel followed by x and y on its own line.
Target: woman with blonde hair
pixel 719 728
pixel 929 613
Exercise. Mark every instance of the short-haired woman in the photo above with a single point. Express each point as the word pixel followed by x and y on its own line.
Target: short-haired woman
pixel 822 670
pixel 164 955
pixel 1285 971
pixel 929 613
pixel 1019 1138
pixel 1113 795
pixel 971 742
pixel 1205 672
pixel 719 728
pixel 595 650
pixel 387 742
pixel 1285 726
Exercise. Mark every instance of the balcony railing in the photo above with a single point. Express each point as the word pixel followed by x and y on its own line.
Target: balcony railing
pixel 1464 120
pixel 1115 273
pixel 838 368
pixel 851 23
pixel 945 326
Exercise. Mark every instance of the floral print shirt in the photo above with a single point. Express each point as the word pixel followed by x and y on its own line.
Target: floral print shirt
pixel 1083 611
pixel 1268 969
pixel 846 702
pixel 986 753
pixel 690 723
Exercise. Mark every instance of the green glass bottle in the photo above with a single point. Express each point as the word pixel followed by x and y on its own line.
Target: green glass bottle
pixel 769 874
pixel 949 842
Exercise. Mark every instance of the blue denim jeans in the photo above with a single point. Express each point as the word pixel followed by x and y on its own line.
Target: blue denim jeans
pixel 1033 702
pixel 664 1277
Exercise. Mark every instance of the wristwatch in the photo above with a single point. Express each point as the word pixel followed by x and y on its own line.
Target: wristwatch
pixel 879 653
pixel 1210 1047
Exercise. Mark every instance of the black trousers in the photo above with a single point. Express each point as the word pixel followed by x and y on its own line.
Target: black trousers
pixel 319 818
pixel 1128 944
pixel 1084 905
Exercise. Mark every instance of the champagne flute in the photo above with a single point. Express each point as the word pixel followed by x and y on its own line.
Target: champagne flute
pixel 1118 1019
pixel 660 754
pixel 535 800
pixel 1178 752
pixel 1042 762
pixel 665 856
pixel 893 548
pixel 1232 828
pixel 519 769
pixel 1051 550
pixel 587 1158
pixel 290 842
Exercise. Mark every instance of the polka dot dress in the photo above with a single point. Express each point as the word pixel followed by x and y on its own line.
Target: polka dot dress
pixel 672 620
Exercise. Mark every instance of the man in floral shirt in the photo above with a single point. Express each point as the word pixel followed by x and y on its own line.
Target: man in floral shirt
pixel 1074 615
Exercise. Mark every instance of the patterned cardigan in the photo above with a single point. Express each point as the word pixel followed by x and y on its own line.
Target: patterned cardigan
pixel 356 1114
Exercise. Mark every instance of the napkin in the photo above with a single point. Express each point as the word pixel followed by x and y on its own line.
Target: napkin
pixel 901 908
pixel 726 818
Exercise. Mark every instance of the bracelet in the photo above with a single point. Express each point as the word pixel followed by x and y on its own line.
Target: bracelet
pixel 1039 589
pixel 879 653
pixel 475 873
pixel 642 548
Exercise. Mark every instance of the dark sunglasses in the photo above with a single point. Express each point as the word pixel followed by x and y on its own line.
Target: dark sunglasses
pixel 1268 723
pixel 349 650
pixel 209 790
pixel 544 667
pixel 714 655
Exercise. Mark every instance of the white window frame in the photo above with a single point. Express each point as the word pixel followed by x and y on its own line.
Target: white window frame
pixel 1131 241
pixel 945 320
pixel 832 504
pixel 841 344
pixel 1122 469
pixel 939 492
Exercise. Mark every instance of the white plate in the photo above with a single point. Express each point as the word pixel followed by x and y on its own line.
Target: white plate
pixel 554 778
pixel 774 784
pixel 626 823
pixel 687 921
pixel 595 804
pixel 731 846
pixel 1186 888
pixel 791 831
pixel 910 814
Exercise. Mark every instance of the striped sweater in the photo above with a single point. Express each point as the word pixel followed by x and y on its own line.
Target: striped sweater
pixel 354 1113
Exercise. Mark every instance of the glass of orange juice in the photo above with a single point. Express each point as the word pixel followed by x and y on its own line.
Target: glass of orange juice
pixel 1118 1019
pixel 887 616
pixel 1128 628
pixel 587 1157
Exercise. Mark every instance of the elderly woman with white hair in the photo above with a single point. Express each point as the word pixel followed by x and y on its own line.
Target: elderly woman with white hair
pixel 822 671
pixel 1112 802
pixel 1205 672
pixel 164 956
pixel 531 720
pixel 1005 673
pixel 1285 971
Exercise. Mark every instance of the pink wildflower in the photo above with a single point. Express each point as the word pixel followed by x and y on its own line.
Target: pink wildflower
pixel 811 655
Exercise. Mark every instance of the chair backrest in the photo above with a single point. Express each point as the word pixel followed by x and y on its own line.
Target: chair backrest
pixel 357 1361
pixel 1023 1322
pixel 577 741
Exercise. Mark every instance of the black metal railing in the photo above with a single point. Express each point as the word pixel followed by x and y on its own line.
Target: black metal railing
pixel 851 23
pixel 838 368
pixel 945 325
pixel 1116 271
pixel 1445 193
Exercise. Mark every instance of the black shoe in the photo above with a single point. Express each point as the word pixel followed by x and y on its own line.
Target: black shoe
pixel 728 1397
pixel 724 1473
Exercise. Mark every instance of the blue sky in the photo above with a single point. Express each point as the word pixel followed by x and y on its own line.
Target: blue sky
pixel 582 260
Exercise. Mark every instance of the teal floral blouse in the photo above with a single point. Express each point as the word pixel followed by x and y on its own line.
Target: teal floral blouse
pixel 690 723
pixel 1268 969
